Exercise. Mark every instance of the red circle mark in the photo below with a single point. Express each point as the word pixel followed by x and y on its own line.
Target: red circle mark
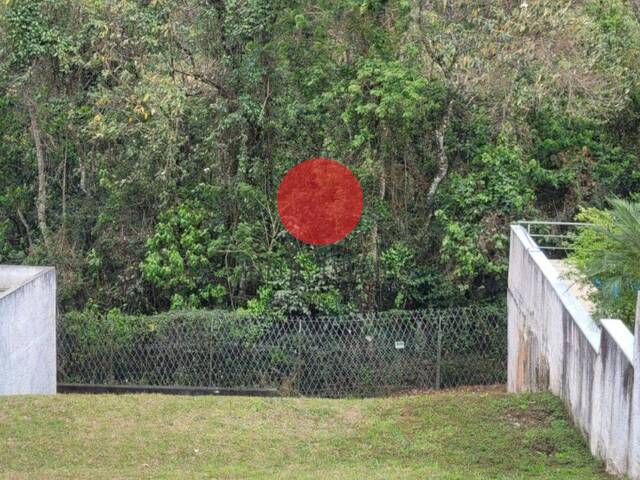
pixel 319 201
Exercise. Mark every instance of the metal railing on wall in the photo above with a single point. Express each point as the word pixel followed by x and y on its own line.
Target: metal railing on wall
pixel 356 355
pixel 553 236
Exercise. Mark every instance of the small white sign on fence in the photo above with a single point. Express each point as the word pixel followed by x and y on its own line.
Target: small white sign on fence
pixel 399 344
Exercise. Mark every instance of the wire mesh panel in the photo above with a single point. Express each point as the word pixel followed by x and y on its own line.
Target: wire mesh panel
pixel 358 355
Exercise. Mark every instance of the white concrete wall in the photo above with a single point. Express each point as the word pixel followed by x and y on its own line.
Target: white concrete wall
pixel 27 330
pixel 555 345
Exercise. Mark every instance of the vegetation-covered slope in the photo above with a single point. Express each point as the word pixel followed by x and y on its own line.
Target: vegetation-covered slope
pixel 143 142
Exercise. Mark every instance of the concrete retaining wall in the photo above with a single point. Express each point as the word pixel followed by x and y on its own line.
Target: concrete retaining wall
pixel 27 330
pixel 555 345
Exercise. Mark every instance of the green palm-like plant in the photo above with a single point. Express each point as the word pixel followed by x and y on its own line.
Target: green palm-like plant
pixel 608 254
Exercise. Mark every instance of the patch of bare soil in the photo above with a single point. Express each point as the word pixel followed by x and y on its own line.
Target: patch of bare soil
pixel 496 388
pixel 530 417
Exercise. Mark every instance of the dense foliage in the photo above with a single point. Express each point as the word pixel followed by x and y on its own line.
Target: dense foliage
pixel 143 143
pixel 608 255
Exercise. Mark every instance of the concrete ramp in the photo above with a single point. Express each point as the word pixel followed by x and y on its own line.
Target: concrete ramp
pixel 27 330
pixel 578 287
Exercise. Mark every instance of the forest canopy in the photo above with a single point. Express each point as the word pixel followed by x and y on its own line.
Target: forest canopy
pixel 143 143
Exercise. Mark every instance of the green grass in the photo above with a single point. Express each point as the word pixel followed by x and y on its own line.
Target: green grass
pixel 449 435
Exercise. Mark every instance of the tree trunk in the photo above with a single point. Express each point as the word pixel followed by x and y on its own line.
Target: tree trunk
pixel 41 199
pixel 443 162
pixel 26 228
pixel 64 188
pixel 81 165
pixel 374 230
pixel 373 282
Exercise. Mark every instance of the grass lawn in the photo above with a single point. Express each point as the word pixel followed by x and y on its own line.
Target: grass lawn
pixel 447 435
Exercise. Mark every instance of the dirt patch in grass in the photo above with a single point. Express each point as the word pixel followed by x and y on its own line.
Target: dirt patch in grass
pixel 496 388
pixel 544 446
pixel 352 415
pixel 529 417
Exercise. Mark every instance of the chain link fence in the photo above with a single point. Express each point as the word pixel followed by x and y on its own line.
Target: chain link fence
pixel 358 355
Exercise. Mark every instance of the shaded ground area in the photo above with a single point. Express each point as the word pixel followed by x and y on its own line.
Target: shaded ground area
pixel 461 434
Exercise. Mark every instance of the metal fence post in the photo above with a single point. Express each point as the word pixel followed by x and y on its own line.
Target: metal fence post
pixel 439 351
pixel 299 357
pixel 112 327
pixel 421 347
pixel 210 343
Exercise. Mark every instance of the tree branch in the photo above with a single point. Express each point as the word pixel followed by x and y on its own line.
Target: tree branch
pixel 202 78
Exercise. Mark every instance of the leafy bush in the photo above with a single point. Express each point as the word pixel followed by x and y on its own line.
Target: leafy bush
pixel 608 255
pixel 184 253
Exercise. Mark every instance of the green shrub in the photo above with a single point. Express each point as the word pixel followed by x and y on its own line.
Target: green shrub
pixel 608 255
pixel 184 258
